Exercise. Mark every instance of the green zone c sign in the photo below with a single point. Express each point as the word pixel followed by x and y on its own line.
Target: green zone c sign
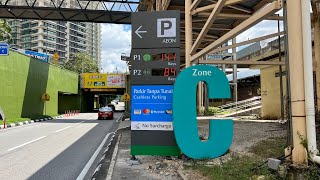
pixel 184 113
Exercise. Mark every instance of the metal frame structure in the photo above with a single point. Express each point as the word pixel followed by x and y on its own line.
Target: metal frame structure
pixel 209 24
pixel 99 11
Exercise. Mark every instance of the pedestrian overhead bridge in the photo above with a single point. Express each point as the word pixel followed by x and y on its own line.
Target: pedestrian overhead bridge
pixel 100 11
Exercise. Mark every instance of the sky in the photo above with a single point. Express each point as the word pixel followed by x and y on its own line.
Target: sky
pixel 116 40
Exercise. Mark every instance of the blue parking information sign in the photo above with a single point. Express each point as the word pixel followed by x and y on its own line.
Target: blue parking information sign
pixel 152 103
pixel 4 49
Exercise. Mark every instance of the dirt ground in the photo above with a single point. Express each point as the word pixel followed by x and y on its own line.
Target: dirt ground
pixel 246 134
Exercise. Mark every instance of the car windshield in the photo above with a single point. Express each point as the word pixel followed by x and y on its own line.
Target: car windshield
pixel 105 109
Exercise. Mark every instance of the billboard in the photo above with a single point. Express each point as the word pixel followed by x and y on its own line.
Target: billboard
pixel 41 56
pixel 100 81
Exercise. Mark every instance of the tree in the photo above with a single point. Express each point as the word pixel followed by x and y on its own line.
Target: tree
pixel 82 63
pixel 5 31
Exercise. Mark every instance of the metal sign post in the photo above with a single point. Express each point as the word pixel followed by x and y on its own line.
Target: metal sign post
pixel 155 64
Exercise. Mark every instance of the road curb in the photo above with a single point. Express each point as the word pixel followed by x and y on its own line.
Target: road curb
pixel 30 122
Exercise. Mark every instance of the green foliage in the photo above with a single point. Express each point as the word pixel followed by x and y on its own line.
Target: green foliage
pixel 303 140
pixel 5 31
pixel 215 111
pixel 82 63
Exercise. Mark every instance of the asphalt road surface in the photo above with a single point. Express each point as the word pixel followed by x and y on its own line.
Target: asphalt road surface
pixel 56 149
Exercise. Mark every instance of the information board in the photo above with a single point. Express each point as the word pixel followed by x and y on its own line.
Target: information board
pixel 155 63
pixel 155 66
pixel 152 103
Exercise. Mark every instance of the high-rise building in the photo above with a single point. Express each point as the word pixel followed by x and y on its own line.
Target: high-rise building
pixel 62 37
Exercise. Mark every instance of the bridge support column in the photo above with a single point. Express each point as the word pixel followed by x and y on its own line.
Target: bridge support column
pixel 316 26
pixel 188 32
pixel 295 47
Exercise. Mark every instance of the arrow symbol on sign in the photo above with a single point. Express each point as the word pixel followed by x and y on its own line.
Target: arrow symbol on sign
pixel 138 31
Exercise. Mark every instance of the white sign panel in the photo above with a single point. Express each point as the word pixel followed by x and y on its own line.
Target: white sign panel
pixel 157 126
pixel 116 80
pixel 166 27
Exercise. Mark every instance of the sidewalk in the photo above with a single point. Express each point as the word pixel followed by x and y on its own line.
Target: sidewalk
pixel 246 134
pixel 152 167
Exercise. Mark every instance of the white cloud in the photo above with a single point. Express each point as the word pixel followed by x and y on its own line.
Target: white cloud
pixel 116 39
pixel 261 29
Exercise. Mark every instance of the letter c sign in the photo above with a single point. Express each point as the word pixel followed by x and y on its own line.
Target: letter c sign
pixel 184 113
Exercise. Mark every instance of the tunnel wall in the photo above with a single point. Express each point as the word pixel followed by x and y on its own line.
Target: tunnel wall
pixel 24 80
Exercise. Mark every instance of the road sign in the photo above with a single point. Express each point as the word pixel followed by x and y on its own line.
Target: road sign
pixel 55 56
pixel 155 66
pixel 4 49
pixel 125 58
pixel 159 31
pixel 45 97
pixel 126 97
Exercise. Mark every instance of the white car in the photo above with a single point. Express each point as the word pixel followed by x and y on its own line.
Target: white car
pixel 118 105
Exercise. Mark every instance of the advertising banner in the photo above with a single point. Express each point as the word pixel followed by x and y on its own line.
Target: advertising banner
pixel 41 56
pixel 100 81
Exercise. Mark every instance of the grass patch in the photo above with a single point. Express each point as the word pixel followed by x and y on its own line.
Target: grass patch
pixel 247 167
pixel 215 111
pixel 17 120
pixel 252 167
pixel 239 168
pixel 272 147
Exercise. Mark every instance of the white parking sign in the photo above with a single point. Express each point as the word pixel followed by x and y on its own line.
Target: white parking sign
pixel 166 27
pixel 158 29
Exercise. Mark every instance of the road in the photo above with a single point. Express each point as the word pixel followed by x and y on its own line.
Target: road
pixel 56 149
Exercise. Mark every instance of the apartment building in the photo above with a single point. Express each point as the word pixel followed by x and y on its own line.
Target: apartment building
pixel 65 38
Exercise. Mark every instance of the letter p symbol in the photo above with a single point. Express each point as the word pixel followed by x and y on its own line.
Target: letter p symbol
pixel 166 27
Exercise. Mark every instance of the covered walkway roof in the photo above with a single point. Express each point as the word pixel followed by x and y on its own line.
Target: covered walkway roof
pixel 215 22
pixel 101 11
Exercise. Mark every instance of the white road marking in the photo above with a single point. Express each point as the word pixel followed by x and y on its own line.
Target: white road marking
pixel 63 129
pixel 27 143
pixel 113 159
pixel 120 117
pixel 68 127
pixel 93 157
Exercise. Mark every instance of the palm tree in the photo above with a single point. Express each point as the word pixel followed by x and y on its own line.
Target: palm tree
pixel 5 31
